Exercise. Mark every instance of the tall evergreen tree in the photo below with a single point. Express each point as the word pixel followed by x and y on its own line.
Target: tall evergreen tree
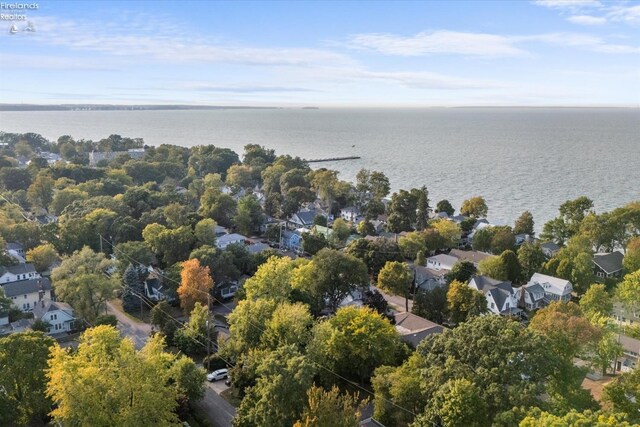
pixel 133 290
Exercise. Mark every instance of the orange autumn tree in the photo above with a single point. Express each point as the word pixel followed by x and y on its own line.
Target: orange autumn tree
pixel 195 284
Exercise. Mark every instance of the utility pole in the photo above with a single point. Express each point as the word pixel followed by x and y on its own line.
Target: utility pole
pixel 208 331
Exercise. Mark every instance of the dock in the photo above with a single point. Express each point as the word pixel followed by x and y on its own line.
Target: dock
pixel 333 159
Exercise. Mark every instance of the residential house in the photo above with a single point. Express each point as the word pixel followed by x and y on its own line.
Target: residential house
pixel 51 158
pixel 631 356
pixel 413 329
pixel 303 218
pixel 319 229
pixel 351 214
pixel 625 315
pixel 370 422
pixel 17 248
pixel 555 289
pixel 256 248
pixel 500 295
pixel 549 249
pixel 15 273
pixel 441 262
pixel 229 239
pixel 533 296
pixel 378 225
pixel 97 156
pixel 523 238
pixel 479 225
pixel 268 221
pixel 608 265
pixel 472 256
pixel 291 240
pixel 58 315
pixel 219 230
pixel 25 294
pixel 427 279
pixel 153 289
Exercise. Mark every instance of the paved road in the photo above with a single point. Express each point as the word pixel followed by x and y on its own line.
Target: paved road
pixel 220 411
pixel 136 330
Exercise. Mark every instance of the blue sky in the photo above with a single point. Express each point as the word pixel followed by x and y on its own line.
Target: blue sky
pixel 453 53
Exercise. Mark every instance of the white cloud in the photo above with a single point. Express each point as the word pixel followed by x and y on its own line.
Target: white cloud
pixel 629 15
pixel 437 42
pixel 567 4
pixel 593 43
pixel 587 20
pixel 158 43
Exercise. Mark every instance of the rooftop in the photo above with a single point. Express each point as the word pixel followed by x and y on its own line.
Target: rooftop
pixel 609 262
pixel 23 287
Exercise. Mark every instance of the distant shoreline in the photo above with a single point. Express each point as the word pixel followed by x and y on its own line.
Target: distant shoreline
pixel 153 107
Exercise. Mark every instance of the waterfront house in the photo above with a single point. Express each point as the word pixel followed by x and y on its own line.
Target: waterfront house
pixel 97 156
pixel 499 294
pixel 413 329
pixel 608 265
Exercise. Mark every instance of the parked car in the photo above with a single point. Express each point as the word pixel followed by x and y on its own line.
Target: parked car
pixel 220 374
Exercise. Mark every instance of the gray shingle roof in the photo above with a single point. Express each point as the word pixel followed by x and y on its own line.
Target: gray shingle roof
pixel 17 269
pixel 23 287
pixel 550 246
pixel 499 290
pixel 610 263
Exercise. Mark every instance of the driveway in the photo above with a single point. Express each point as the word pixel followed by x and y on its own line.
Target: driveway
pixel 396 302
pixel 137 330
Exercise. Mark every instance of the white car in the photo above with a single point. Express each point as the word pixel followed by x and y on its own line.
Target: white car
pixel 220 374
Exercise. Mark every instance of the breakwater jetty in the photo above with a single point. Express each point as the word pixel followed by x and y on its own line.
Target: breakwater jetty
pixel 333 159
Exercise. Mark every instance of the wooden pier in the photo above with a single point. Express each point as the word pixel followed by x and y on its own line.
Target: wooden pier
pixel 333 159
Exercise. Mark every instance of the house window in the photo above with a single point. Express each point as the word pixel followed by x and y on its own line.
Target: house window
pixel 493 305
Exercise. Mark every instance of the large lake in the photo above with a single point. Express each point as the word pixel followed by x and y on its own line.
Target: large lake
pixel 517 158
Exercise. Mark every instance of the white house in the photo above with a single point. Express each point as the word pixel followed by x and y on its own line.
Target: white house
pixel 500 295
pixel 229 239
pixel 441 262
pixel 350 213
pixel 555 289
pixel 58 315
pixel 533 295
pixel 26 294
pixel 15 273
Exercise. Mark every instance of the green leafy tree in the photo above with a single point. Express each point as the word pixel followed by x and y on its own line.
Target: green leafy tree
pixel 464 302
pixel 531 259
pixel 524 224
pixel 107 382
pixel 65 197
pixel 197 335
pixel 475 207
pixel 205 232
pixel 538 418
pixel 279 394
pixel 566 328
pixel 458 402
pixel 449 230
pixel 330 409
pixel 445 206
pixel 462 271
pixel 624 395
pixel 40 192
pixel 606 351
pixel 354 342
pixel 366 228
pixel 42 256
pixel 632 255
pixel 80 281
pixel 23 360
pixel 219 206
pixel 106 319
pixel 628 292
pixel 567 225
pixel 341 231
pixel 248 215
pixel 493 267
pixel 596 302
pixel 512 266
pixel 132 252
pixel 290 324
pixel 431 305
pixel 395 278
pixel 332 275
pixel 313 243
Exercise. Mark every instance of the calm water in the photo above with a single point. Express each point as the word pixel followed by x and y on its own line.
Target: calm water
pixel 517 158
